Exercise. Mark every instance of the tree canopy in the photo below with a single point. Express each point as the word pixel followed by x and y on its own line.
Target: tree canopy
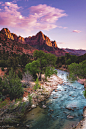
pixel 42 62
pixel 78 69
pixel 11 85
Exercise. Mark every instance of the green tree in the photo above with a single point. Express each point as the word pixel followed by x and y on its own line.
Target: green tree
pixel 12 86
pixel 3 63
pixel 42 61
pixel 37 85
pixel 49 71
pixel 24 59
pixel 13 62
pixel 68 62
pixel 78 70
pixel 33 68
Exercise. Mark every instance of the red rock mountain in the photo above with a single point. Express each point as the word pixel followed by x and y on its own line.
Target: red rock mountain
pixel 12 43
pixel 12 36
pixel 39 41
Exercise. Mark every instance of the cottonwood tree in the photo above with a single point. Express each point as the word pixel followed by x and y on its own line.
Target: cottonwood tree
pixel 78 69
pixel 42 62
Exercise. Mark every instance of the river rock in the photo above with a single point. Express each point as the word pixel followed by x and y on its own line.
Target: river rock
pixel 44 106
pixel 27 126
pixel 84 84
pixel 69 108
pixel 33 106
pixel 84 107
pixel 17 124
pixel 55 97
pixel 71 117
pixel 56 90
pixel 51 110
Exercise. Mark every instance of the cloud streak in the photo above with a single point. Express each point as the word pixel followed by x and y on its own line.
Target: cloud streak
pixel 41 17
pixel 76 31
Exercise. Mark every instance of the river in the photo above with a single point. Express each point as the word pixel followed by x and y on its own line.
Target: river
pixel 57 114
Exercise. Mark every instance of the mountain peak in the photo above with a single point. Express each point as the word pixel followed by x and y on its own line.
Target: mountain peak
pixel 40 34
pixel 12 36
pixel 5 30
pixel 40 41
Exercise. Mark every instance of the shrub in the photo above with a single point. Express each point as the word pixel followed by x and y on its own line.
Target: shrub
pixel 12 85
pixel 37 85
pixel 20 74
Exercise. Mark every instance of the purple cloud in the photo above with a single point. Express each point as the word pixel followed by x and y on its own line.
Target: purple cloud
pixel 40 17
pixel 76 31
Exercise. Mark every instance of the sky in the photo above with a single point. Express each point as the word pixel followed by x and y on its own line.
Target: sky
pixel 61 20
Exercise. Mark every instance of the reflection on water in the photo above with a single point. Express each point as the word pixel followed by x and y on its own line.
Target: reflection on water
pixel 61 113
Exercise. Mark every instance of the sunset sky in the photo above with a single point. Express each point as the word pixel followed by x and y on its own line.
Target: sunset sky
pixel 61 20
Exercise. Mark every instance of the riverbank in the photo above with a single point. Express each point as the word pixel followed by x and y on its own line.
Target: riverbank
pixel 82 123
pixel 12 113
pixel 44 91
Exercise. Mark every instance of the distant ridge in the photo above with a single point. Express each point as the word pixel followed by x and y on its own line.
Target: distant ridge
pixel 78 52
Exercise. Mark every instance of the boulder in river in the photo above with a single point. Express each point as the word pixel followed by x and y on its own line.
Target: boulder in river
pixel 56 90
pixel 33 106
pixel 55 97
pixel 44 106
pixel 71 117
pixel 69 108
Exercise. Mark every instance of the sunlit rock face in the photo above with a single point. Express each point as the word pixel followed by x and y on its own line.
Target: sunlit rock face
pixel 7 33
pixel 12 36
pixel 11 43
pixel 42 42
pixel 39 41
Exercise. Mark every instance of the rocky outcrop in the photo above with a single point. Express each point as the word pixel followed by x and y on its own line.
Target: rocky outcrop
pixel 42 42
pixel 12 43
pixel 85 84
pixel 12 36
pixel 7 33
pixel 39 41
pixel 82 81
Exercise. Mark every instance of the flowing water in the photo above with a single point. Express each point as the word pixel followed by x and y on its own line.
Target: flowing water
pixel 61 113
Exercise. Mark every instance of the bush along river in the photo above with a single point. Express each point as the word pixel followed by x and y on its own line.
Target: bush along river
pixel 64 108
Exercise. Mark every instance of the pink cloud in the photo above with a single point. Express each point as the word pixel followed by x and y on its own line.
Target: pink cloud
pixel 76 31
pixel 62 27
pixel 1 2
pixel 47 13
pixel 41 17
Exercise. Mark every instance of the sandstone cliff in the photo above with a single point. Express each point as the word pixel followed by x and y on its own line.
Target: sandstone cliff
pixel 12 43
pixel 42 42
pixel 12 36
pixel 39 41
